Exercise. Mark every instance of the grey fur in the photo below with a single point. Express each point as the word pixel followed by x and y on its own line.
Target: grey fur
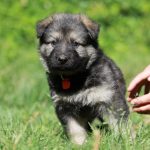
pixel 69 49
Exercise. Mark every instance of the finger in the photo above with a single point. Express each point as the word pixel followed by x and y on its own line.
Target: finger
pixel 142 100
pixel 147 68
pixel 143 109
pixel 138 79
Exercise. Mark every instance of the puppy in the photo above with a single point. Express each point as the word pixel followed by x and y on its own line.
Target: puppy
pixel 85 84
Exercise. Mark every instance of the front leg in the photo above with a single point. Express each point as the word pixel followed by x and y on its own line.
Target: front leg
pixel 106 115
pixel 76 131
pixel 114 115
pixel 73 126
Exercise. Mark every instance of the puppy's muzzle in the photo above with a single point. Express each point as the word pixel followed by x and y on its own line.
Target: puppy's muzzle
pixel 62 59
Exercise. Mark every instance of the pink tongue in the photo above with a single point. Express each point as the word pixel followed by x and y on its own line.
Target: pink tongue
pixel 66 84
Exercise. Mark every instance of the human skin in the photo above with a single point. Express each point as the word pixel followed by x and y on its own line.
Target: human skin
pixel 141 104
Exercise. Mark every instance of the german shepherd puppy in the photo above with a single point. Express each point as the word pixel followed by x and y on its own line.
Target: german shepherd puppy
pixel 85 84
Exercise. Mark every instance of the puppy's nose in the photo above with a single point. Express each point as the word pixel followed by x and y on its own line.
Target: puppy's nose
pixel 62 59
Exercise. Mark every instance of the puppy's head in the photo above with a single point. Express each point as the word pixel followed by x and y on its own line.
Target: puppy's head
pixel 67 43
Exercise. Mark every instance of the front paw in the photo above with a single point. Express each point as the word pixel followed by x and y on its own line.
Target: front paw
pixel 78 138
pixel 76 131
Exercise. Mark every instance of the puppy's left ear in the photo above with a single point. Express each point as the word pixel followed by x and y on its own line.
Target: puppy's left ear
pixel 92 27
pixel 42 25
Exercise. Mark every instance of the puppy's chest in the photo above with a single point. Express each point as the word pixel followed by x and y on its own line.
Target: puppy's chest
pixel 77 110
pixel 90 96
pixel 67 84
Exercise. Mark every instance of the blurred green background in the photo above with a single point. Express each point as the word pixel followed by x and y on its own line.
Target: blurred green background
pixel 124 36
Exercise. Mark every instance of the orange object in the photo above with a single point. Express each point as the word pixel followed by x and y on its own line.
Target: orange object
pixel 66 84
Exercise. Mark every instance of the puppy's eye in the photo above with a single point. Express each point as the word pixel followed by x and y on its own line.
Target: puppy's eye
pixel 76 44
pixel 53 43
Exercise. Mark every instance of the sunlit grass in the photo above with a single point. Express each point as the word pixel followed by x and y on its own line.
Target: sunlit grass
pixel 27 116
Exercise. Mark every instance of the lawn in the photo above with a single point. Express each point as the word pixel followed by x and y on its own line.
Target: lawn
pixel 27 117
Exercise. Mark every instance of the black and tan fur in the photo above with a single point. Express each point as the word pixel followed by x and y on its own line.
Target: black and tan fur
pixel 69 49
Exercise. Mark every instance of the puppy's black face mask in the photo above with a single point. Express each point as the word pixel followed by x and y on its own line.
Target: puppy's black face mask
pixel 64 59
pixel 67 45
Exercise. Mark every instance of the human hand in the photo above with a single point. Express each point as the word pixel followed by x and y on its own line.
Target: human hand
pixel 140 104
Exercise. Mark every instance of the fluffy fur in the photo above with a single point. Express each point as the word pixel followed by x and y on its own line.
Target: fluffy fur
pixel 69 50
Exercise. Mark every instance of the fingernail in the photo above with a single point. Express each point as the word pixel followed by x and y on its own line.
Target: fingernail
pixel 136 110
pixel 128 99
pixel 133 102
pixel 148 78
pixel 133 110
pixel 128 89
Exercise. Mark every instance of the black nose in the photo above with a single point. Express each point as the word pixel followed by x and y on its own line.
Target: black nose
pixel 62 59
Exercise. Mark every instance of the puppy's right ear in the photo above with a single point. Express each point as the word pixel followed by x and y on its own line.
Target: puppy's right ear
pixel 42 25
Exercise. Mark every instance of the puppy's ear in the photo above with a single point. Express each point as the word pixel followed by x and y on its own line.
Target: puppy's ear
pixel 92 27
pixel 42 25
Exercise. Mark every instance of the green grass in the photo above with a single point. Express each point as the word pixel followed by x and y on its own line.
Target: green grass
pixel 27 117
